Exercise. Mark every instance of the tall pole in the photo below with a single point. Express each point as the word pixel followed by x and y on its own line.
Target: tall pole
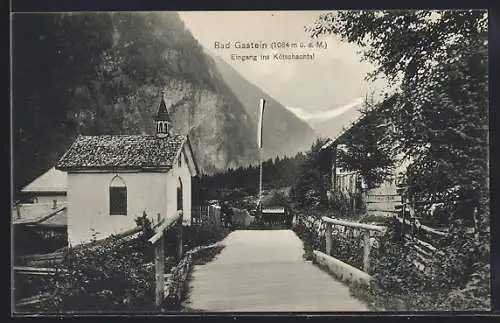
pixel 260 176
pixel 261 127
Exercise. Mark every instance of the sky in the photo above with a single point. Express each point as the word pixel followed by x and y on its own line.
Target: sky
pixel 330 84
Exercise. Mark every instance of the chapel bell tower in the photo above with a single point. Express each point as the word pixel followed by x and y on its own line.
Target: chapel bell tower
pixel 163 121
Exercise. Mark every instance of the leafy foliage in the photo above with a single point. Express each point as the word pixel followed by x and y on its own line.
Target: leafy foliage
pixel 309 188
pixel 341 204
pixel 363 148
pixel 438 63
pixel 114 275
pixel 307 231
pixel 453 279
pixel 207 233
pixel 438 60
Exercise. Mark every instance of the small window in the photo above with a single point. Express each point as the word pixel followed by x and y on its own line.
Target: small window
pixel 179 195
pixel 179 162
pixel 117 197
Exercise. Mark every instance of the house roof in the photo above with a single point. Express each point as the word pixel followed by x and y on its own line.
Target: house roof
pixel 51 181
pixel 162 113
pixel 273 210
pixel 384 104
pixel 122 151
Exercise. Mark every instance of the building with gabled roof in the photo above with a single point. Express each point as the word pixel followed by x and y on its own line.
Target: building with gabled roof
pixel 113 179
pixel 380 200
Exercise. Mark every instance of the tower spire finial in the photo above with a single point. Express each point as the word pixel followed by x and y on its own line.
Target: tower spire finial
pixel 162 118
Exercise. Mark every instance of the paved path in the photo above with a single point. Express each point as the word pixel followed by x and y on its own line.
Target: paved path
pixel 263 270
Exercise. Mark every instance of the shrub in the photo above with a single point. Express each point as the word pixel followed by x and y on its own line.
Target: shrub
pixel 312 238
pixel 115 275
pixel 458 277
pixel 195 236
pixel 456 280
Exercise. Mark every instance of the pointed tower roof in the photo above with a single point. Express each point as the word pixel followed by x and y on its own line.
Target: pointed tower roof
pixel 162 114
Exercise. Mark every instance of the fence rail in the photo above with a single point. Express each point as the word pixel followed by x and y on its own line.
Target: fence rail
pixel 206 214
pixel 36 271
pixel 366 232
pixel 425 251
pixel 422 227
pixel 353 224
pixel 32 300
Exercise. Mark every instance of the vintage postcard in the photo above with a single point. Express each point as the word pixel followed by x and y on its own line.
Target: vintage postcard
pixel 250 161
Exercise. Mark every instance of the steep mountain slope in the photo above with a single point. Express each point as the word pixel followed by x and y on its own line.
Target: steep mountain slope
pixel 284 133
pixel 331 127
pixel 102 73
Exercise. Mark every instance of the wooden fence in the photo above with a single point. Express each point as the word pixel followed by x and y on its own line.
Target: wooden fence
pixel 37 266
pixel 158 243
pixel 206 214
pixel 425 240
pixel 40 264
pixel 367 232
pixel 411 232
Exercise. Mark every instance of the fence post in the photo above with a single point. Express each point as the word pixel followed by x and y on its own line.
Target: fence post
pixel 160 270
pixel 366 251
pixel 328 238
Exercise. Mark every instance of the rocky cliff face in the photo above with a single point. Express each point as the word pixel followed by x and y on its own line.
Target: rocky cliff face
pixel 201 103
pixel 102 73
pixel 218 126
pixel 284 133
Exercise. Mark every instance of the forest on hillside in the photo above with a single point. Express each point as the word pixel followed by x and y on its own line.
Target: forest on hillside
pixel 242 181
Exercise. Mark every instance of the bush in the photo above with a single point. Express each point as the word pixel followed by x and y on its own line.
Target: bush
pixel 195 235
pixel 313 240
pixel 341 204
pixel 458 277
pixel 115 275
pixel 455 281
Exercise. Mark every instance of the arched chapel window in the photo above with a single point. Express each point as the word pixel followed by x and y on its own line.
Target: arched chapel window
pixel 117 197
pixel 179 195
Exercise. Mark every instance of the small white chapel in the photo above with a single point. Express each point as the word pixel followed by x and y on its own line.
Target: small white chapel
pixel 112 179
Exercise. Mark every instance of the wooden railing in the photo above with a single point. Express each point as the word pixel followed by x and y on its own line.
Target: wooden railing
pixel 206 214
pixel 158 241
pixel 366 229
pixel 414 232
pixel 425 251
pixel 34 271
pixel 26 268
pixel 422 227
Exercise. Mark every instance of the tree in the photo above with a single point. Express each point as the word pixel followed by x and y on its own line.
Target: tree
pixel 363 148
pixel 309 190
pixel 438 63
pixel 53 55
